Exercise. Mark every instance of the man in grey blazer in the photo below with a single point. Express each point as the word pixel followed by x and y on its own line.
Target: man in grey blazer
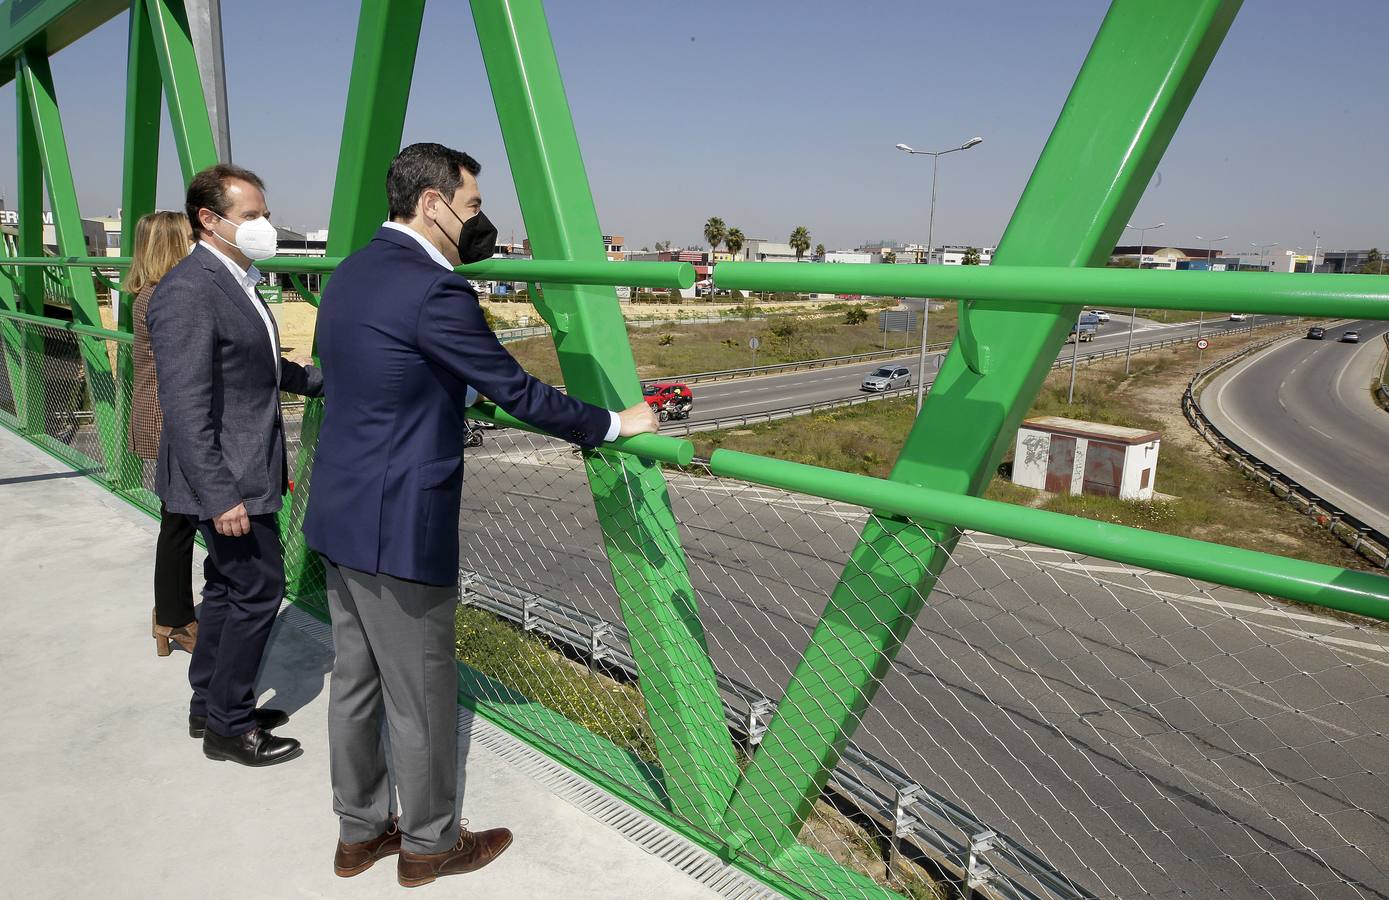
pixel 222 452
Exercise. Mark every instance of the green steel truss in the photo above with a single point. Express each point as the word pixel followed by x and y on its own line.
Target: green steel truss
pixel 1140 75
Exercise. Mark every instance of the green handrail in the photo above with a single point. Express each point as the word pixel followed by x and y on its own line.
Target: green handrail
pixel 656 447
pixel 1277 293
pixel 1362 593
pixel 65 325
pixel 557 271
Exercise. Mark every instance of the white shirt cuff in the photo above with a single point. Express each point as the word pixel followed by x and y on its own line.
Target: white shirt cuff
pixel 471 396
pixel 614 429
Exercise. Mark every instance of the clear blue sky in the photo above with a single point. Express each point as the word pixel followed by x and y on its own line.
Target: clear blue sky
pixel 1286 135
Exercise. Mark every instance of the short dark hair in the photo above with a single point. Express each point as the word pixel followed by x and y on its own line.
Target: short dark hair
pixel 420 167
pixel 208 190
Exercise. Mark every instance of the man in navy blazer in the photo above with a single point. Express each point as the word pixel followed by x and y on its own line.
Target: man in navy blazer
pixel 404 350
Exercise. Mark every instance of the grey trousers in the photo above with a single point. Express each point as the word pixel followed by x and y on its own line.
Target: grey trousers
pixel 395 654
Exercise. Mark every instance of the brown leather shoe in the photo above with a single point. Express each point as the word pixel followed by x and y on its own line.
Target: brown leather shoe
pixel 473 851
pixel 354 859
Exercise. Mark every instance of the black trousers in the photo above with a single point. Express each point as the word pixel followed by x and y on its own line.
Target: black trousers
pixel 245 579
pixel 173 569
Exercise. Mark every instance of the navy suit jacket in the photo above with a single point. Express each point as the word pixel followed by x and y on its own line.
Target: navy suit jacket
pixel 400 339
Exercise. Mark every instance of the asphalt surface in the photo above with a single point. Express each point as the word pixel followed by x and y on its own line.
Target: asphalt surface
pixel 1305 407
pixel 751 396
pixel 1148 735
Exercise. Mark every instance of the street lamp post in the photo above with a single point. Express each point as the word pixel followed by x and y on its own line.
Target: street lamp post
pixel 930 241
pixel 1133 313
pixel 1210 243
pixel 1315 250
pixel 1262 248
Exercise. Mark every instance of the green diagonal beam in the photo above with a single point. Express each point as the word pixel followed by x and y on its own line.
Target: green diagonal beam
pixel 183 86
pixel 24 345
pixel 35 82
pixel 139 181
pixel 1130 95
pixel 388 35
pixel 639 530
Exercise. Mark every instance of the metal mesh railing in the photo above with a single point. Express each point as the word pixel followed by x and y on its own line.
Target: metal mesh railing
pixel 1144 734
pixel 1055 725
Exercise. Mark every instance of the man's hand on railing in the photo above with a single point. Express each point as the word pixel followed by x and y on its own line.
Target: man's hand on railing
pixel 637 419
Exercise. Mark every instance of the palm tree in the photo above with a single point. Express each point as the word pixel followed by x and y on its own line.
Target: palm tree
pixel 820 251
pixel 971 257
pixel 890 257
pixel 800 241
pixel 714 233
pixel 733 241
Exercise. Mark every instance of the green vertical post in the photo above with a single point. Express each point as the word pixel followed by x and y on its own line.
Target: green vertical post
pixel 639 530
pixel 183 86
pixel 388 33
pixel 25 341
pixel 36 83
pixel 1140 75
pixel 139 179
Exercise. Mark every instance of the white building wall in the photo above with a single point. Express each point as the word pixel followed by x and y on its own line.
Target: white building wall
pixel 1030 458
pixel 1138 458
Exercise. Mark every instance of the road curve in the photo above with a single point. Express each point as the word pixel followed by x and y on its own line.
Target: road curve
pixel 1304 407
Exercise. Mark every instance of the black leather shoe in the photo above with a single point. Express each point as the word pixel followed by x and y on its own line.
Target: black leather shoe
pixel 265 719
pixel 254 748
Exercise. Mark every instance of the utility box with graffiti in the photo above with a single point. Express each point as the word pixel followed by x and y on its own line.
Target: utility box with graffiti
pixel 1068 456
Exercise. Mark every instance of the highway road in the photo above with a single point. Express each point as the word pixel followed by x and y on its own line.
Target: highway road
pixel 1305 407
pixel 748 396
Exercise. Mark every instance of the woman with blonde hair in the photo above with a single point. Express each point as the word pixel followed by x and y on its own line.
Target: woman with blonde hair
pixel 162 239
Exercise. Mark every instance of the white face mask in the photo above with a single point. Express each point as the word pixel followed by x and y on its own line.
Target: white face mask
pixel 257 239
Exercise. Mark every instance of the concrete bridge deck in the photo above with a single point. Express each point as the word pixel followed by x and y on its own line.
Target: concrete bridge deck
pixel 107 796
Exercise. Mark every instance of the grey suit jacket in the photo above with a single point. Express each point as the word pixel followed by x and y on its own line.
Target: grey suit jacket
pixel 223 441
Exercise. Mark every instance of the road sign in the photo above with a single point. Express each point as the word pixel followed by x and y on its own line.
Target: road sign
pixel 754 343
pixel 270 293
pixel 897 320
pixel 1202 344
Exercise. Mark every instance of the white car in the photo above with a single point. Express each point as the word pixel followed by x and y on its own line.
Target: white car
pixel 1101 315
pixel 1239 317
pixel 886 378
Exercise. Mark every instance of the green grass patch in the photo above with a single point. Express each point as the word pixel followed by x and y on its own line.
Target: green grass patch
pixel 1209 500
pixel 523 662
pixel 678 349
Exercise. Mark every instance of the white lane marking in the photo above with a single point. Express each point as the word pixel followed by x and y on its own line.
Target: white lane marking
pixel 1278 704
pixel 1269 454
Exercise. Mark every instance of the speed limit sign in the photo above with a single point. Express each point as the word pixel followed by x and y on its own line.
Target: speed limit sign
pixel 1202 344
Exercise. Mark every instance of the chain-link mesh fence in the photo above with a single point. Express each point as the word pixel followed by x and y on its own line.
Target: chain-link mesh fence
pixel 1054 725
pixel 1122 732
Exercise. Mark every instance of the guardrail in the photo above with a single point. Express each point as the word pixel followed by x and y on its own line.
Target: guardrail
pixel 1382 389
pixel 912 817
pixel 1360 537
pixel 788 412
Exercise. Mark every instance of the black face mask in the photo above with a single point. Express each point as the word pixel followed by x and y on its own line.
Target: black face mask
pixel 477 240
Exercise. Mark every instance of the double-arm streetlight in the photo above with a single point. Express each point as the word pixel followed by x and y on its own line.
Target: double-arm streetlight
pixel 1263 249
pixel 1210 244
pixel 930 244
pixel 1133 313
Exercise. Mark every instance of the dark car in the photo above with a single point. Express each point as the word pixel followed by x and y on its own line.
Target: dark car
pixel 1316 333
pixel 1350 337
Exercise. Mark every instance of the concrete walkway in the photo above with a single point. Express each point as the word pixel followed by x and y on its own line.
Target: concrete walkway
pixel 104 793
